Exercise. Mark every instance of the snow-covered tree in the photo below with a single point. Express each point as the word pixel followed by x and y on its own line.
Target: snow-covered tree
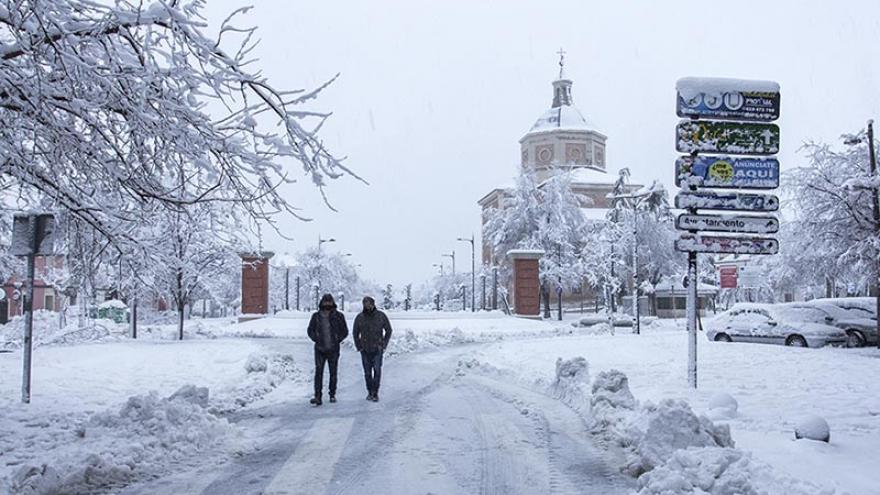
pixel 106 108
pixel 331 273
pixel 543 216
pixel 833 220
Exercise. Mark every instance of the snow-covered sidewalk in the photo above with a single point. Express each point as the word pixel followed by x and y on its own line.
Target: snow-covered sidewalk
pixel 774 387
pixel 103 415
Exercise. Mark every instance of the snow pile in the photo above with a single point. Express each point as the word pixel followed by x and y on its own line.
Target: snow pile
pixel 115 447
pixel 719 471
pixel 265 372
pixel 571 383
pixel 411 341
pixel 611 395
pixel 661 429
pixel 47 330
pixel 113 304
pixel 813 427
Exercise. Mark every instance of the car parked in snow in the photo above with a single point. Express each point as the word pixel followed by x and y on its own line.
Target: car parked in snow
pixel 856 315
pixel 798 325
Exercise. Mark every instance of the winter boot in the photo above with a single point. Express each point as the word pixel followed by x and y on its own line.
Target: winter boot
pixel 316 400
pixel 333 398
pixel 375 396
pixel 370 396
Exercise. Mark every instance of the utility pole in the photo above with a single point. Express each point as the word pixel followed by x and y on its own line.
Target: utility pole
pixel 872 160
pixel 473 272
pixel 297 293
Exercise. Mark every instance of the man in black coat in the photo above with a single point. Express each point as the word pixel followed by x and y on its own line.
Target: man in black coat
pixel 327 329
pixel 371 333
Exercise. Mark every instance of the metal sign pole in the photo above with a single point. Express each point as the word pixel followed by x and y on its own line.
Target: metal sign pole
pixel 692 319
pixel 29 314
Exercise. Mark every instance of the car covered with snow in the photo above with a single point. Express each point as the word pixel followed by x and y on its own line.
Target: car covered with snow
pixel 798 325
pixel 856 315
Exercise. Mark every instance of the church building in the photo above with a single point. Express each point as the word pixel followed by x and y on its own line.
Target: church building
pixel 561 138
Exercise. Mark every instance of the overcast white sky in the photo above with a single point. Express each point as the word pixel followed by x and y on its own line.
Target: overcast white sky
pixel 434 96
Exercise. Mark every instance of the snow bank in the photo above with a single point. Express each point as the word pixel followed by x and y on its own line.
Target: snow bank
pixel 51 449
pixel 719 471
pixel 138 440
pixel 265 372
pixel 47 331
pixel 571 383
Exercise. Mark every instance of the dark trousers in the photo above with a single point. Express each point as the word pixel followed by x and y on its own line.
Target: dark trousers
pixel 332 358
pixel 372 362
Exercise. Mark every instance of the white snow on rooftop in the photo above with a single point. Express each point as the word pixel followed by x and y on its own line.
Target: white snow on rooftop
pixel 564 117
pixel 583 175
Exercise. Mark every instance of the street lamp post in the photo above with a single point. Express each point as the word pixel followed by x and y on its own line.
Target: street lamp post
pixel 634 201
pixel 473 271
pixel 320 242
pixel 494 288
pixel 451 255
pixel 483 293
pixel 875 204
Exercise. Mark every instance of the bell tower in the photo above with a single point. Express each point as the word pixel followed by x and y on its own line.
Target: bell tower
pixel 562 137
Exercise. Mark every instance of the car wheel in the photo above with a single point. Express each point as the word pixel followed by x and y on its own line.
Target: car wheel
pixel 723 337
pixel 855 338
pixel 796 341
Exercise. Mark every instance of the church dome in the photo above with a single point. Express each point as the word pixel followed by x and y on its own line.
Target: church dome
pixel 563 117
pixel 562 136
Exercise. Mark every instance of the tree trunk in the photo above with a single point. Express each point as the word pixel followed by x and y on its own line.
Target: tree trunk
pixel 180 308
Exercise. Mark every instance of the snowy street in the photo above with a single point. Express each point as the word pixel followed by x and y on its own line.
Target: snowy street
pixel 469 404
pixel 432 432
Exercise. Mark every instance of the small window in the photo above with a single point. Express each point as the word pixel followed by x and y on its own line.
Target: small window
pixel 49 302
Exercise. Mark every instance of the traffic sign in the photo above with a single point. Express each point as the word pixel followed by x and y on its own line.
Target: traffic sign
pixel 717 98
pixel 711 200
pixel 750 277
pixel 728 245
pixel 728 277
pixel 37 238
pixel 728 223
pixel 727 172
pixel 738 138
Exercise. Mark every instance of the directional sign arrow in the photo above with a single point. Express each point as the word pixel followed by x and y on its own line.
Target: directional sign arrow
pixel 738 138
pixel 711 200
pixel 728 223
pixel 727 245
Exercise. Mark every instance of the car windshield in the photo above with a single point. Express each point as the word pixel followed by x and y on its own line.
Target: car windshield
pixel 800 313
pixel 859 312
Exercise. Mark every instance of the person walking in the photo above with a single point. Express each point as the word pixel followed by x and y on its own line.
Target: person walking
pixel 327 329
pixel 371 333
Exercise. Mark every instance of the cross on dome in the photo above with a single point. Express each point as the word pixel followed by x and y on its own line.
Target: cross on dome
pixel 561 53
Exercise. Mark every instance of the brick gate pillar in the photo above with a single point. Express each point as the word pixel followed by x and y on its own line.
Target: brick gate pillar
pixel 254 284
pixel 526 284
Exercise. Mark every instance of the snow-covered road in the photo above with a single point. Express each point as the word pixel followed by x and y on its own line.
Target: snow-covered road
pixel 434 431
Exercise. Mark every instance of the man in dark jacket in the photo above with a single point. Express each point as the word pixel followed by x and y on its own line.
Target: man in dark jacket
pixel 327 329
pixel 371 333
